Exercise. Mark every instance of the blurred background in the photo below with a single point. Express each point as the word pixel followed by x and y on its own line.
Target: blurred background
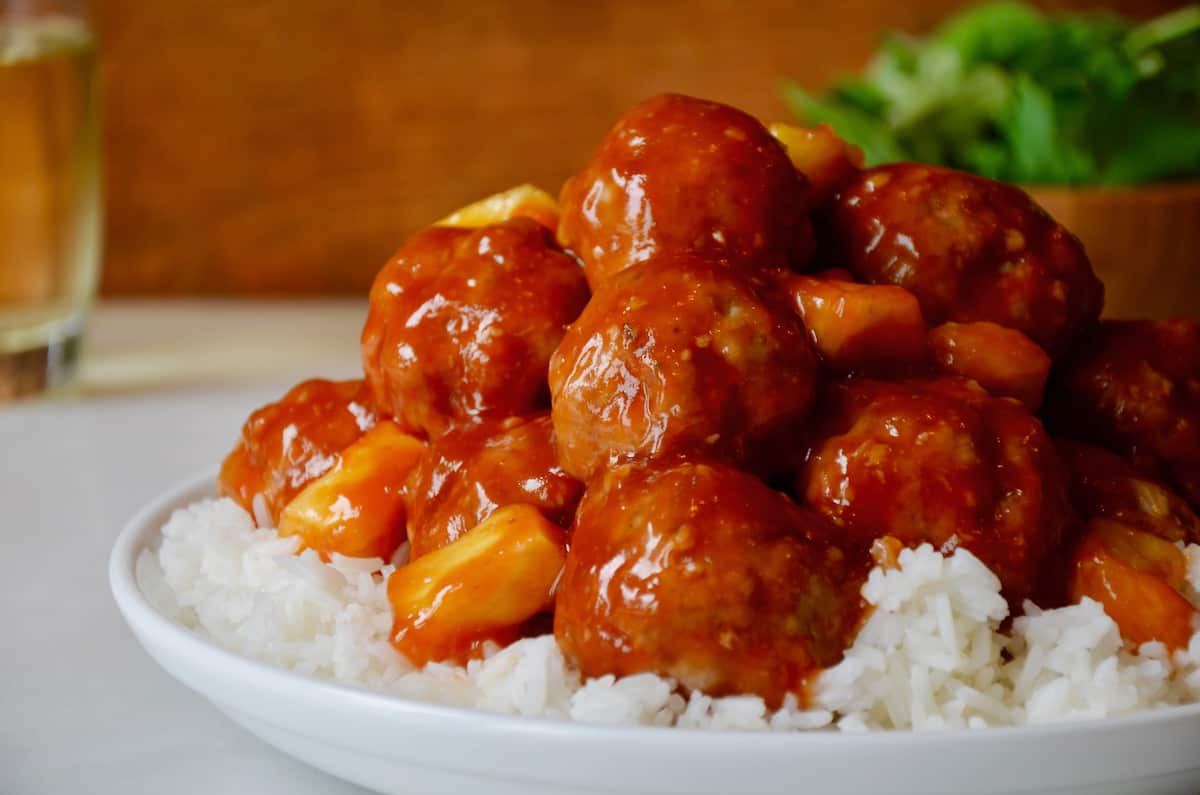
pixel 287 148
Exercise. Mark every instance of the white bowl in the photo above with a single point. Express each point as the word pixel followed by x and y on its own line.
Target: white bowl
pixel 397 746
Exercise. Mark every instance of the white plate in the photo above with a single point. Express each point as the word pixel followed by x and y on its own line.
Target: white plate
pixel 397 746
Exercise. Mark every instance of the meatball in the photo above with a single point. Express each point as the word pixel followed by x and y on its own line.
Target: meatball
pixel 941 461
pixel 472 470
pixel 1133 386
pixel 1104 485
pixel 681 355
pixel 683 174
pixel 463 321
pixel 969 248
pixel 288 444
pixel 702 573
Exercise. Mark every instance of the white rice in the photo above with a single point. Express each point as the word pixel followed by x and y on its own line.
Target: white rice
pixel 931 655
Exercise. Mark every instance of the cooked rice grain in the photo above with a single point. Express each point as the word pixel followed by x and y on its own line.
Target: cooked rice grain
pixel 930 656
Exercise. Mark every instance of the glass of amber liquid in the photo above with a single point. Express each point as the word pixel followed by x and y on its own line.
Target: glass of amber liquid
pixel 49 191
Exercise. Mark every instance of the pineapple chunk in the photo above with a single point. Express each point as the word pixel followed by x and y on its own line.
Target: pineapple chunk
pixel 356 508
pixel 447 603
pixel 1139 579
pixel 523 200
pixel 819 154
pixel 860 327
pixel 1003 360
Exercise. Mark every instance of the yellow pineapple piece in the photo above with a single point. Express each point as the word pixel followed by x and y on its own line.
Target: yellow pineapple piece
pixel 523 200
pixel 447 603
pixel 819 154
pixel 356 508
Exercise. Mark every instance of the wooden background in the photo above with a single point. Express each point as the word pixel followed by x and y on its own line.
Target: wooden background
pixel 281 147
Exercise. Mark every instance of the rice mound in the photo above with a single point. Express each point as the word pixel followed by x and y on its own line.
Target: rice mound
pixel 930 656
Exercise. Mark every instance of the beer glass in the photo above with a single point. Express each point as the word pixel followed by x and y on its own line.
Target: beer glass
pixel 49 191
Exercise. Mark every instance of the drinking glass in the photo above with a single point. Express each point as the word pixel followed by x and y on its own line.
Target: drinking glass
pixel 49 191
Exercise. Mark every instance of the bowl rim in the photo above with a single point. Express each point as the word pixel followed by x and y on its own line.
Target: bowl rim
pixel 1184 189
pixel 143 617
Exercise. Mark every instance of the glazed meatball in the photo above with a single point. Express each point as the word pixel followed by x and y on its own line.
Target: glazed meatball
pixel 969 248
pixel 941 461
pixel 463 321
pixel 1104 485
pixel 1133 386
pixel 472 470
pixel 676 356
pixel 702 573
pixel 682 174
pixel 288 444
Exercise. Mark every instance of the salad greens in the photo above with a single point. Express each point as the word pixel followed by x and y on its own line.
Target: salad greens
pixel 1010 93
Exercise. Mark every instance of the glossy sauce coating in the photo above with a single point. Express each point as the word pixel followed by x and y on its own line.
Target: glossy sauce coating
pixel 482 587
pixel 680 355
pixel 1104 485
pixel 860 328
pixel 288 444
pixel 969 248
pixel 826 161
pixel 1139 578
pixel 1126 558
pixel 471 471
pixel 679 174
pixel 1133 386
pixel 1002 360
pixel 703 573
pixel 463 321
pixel 357 507
pixel 704 364
pixel 940 461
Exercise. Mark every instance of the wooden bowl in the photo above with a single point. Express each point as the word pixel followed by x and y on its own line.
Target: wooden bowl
pixel 1144 243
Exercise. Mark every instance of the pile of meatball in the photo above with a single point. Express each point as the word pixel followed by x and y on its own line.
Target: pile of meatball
pixel 736 369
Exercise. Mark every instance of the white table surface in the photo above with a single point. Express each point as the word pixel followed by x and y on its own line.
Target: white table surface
pixel 164 389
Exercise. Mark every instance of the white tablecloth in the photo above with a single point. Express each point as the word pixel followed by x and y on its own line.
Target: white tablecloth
pixel 164 389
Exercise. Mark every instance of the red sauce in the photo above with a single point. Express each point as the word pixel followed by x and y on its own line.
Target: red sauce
pixel 288 444
pixel 704 373
pixel 1002 360
pixel 682 356
pixel 968 248
pixel 463 321
pixel 860 328
pixel 679 174
pixel 1104 485
pixel 1139 579
pixel 942 462
pixel 703 573
pixel 471 471
pixel 1133 386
